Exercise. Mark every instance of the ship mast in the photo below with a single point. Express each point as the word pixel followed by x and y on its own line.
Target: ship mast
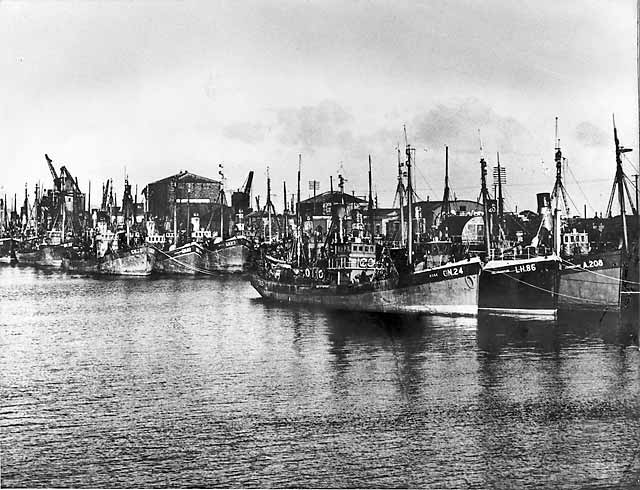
pixel 284 198
pixel 446 203
pixel 26 209
pixel 371 221
pixel 269 203
pixel 221 199
pixel 400 191
pixel 299 224
pixel 409 200
pixel 558 192
pixel 558 188
pixel 620 185
pixel 175 210
pixel 501 180
pixel 189 212
pixel 485 200
pixel 638 77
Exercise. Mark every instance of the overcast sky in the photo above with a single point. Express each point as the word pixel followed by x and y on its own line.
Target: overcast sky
pixel 158 87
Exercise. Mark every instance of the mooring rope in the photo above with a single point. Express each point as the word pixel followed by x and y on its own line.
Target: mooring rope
pixel 183 264
pixel 548 290
pixel 576 266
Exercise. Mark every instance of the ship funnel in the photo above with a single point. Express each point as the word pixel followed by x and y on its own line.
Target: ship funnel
pixel 544 202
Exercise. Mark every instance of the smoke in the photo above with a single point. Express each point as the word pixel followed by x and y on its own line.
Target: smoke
pixel 457 125
pixel 590 135
pixel 312 127
pixel 245 131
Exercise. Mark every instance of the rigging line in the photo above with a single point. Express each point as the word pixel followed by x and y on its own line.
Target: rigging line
pixel 626 189
pixel 633 166
pixel 415 167
pixel 533 184
pixel 549 291
pixel 631 182
pixel 576 266
pixel 572 202
pixel 581 189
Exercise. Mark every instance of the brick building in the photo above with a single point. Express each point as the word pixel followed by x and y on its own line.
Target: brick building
pixel 196 200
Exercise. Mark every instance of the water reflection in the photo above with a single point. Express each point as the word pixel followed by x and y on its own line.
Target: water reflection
pixel 495 332
pixel 196 382
pixel 546 386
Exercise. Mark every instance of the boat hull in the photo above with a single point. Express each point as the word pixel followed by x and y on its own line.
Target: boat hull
pixel 183 260
pixel 446 290
pixel 591 281
pixel 44 256
pixel 7 250
pixel 229 257
pixel 520 286
pixel 135 262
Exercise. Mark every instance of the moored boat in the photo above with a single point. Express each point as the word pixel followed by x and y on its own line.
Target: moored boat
pixel 592 280
pixel 515 281
pixel 520 286
pixel 41 255
pixel 111 248
pixel 595 277
pixel 186 259
pixel 351 283
pixel 137 261
pixel 354 273
pixel 7 250
pixel 227 256
pixel 231 255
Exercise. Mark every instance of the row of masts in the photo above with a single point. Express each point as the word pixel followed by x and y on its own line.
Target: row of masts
pixel 404 193
pixel 493 208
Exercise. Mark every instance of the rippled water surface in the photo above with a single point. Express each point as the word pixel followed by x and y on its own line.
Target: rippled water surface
pixel 197 382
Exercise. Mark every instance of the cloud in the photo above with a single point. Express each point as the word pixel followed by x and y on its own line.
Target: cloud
pixel 312 127
pixel 591 135
pixel 458 124
pixel 245 131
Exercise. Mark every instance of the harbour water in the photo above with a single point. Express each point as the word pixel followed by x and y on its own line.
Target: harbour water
pixel 197 382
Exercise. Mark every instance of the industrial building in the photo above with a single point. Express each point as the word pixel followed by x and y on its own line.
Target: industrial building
pixel 190 198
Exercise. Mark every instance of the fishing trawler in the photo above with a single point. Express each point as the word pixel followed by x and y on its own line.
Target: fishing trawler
pixel 517 280
pixel 360 278
pixel 594 275
pixel 136 261
pixel 42 252
pixel 108 252
pixel 205 257
pixel 355 273
pixel 7 250
pixel 53 222
pixel 201 251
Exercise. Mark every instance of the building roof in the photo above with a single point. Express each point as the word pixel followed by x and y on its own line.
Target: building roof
pixel 453 203
pixel 455 224
pixel 185 176
pixel 337 195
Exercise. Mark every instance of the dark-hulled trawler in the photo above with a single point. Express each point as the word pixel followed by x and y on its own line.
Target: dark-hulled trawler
pixel 352 272
pixel 601 274
pixel 516 280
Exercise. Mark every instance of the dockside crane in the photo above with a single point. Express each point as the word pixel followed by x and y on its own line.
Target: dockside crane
pixel 56 179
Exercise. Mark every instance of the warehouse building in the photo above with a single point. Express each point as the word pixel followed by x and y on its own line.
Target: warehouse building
pixel 195 200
